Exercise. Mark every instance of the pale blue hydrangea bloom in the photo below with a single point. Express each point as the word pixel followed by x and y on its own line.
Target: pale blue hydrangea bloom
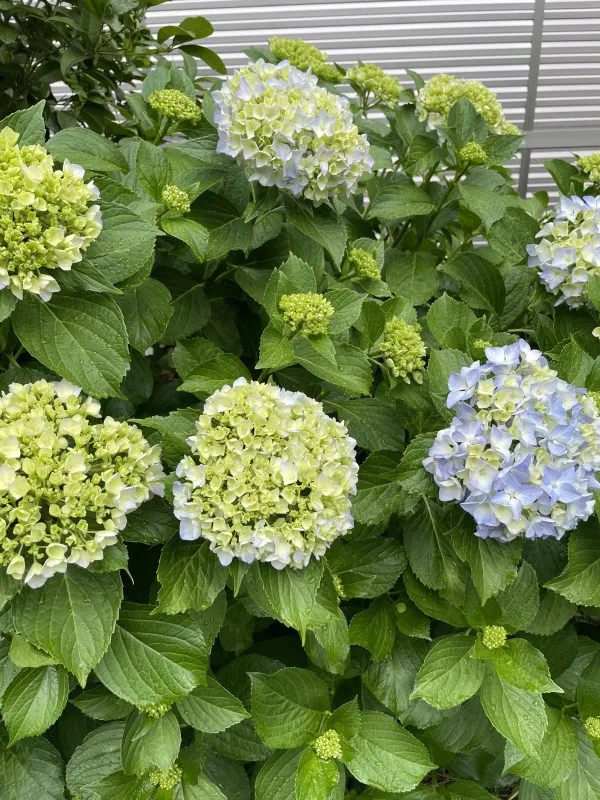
pixel 289 132
pixel 521 452
pixel 568 254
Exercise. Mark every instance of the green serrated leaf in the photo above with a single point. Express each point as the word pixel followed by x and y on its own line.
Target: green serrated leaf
pixel 190 575
pixel 450 674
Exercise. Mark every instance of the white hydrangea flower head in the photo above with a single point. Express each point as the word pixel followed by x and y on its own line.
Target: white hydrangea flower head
pixel 269 478
pixel 568 254
pixel 46 222
pixel 290 132
pixel 68 479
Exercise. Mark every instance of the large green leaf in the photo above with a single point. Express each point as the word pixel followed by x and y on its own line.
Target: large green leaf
pixel 519 715
pixel 316 779
pixel 33 701
pixel 211 708
pixel 450 674
pixel 489 206
pixel 493 564
pixel 481 282
pixel 321 224
pixel 400 200
pixel 277 777
pixel 379 488
pixel 90 150
pixel 519 663
pixel 412 275
pixel 372 422
pixel 375 628
pixel 350 369
pixel 391 680
pixel 583 782
pixel 190 575
pixel 152 169
pixel 146 310
pixel 150 743
pixel 28 123
pixel 31 769
pixel 367 567
pixel 580 581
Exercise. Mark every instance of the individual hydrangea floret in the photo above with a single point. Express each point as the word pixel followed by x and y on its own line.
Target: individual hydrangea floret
pixel 472 153
pixel 290 133
pixel 403 350
pixel 328 745
pixel 440 93
pixel 493 637
pixel 306 312
pixel 68 479
pixel 175 105
pixel 568 254
pixel 166 780
pixel 304 56
pixel 269 478
pixel 591 166
pixel 372 79
pixel 592 727
pixel 175 199
pixel 520 455
pixel 46 222
pixel 363 264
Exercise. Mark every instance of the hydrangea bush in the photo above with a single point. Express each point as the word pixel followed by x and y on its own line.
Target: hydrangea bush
pixel 299 446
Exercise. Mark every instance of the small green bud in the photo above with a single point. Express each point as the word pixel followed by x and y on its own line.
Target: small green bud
pixel 364 264
pixel 154 712
pixel 306 312
pixel 400 608
pixel 472 153
pixel 592 727
pixel 493 637
pixel 328 746
pixel 371 78
pixel 174 105
pixel 403 350
pixel 338 586
pixel 482 344
pixel 166 780
pixel 590 165
pixel 175 199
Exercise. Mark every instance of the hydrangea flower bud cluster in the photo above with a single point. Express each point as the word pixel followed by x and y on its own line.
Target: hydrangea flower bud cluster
pixel 175 105
pixel 403 350
pixel 46 221
pixel 67 479
pixel 472 153
pixel 269 477
pixel 290 132
pixel 363 264
pixel 592 727
pixel 166 780
pixel 306 312
pixel 175 199
pixel 521 452
pixel 304 56
pixel 328 745
pixel 568 254
pixel 591 166
pixel 493 637
pixel 441 92
pixel 371 78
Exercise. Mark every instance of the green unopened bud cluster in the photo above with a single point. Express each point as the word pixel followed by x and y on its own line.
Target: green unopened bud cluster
pixel 175 199
pixel 328 746
pixel 166 780
pixel 441 92
pixel 592 727
pixel 472 153
pixel 363 264
pixel 403 350
pixel 154 712
pixel 338 586
pixel 174 105
pixel 308 313
pixel 493 637
pixel 67 479
pixel 304 56
pixel 372 79
pixel 590 165
pixel 46 221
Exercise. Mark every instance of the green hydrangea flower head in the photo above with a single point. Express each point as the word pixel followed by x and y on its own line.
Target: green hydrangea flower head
pixel 590 165
pixel 472 153
pixel 175 199
pixel 371 78
pixel 328 745
pixel 175 105
pixel 441 92
pixel 306 312
pixel 154 712
pixel 403 350
pixel 592 727
pixel 269 477
pixel 166 780
pixel 363 264
pixel 304 56
pixel 493 637
pixel 68 479
pixel 46 221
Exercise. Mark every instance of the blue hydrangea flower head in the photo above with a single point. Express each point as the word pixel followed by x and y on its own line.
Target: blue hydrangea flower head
pixel 521 453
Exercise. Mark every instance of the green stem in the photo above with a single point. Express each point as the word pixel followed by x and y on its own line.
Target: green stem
pixel 162 129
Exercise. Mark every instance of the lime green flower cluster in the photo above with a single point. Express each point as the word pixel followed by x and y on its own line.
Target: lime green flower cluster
pixel 403 350
pixel 592 727
pixel 67 481
pixel 166 780
pixel 306 312
pixel 45 219
pixel 493 637
pixel 371 78
pixel 472 153
pixel 304 56
pixel 441 92
pixel 175 199
pixel 328 745
pixel 363 264
pixel 591 166
pixel 175 105
pixel 269 479
pixel 154 712
pixel 338 586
